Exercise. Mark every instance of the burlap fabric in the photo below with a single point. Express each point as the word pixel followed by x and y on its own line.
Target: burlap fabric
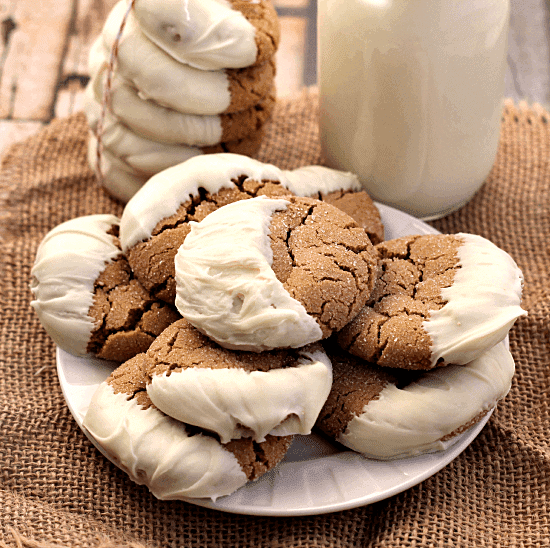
pixel 56 489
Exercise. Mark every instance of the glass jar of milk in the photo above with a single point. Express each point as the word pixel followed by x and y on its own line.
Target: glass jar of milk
pixel 411 96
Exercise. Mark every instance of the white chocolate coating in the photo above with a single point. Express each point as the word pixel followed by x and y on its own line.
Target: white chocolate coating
pixel 236 403
pixel 482 304
pixel 154 121
pixel 206 34
pixel 226 288
pixel 413 420
pixel 118 178
pixel 145 156
pixel 162 195
pixel 68 261
pixel 160 77
pixel 156 450
pixel 310 180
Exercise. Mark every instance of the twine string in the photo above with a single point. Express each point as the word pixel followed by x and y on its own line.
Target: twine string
pixel 107 88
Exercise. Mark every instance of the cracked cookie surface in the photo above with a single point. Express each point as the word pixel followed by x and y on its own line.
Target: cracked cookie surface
pixel 163 453
pixel 273 273
pixel 233 393
pixel 127 319
pixel 86 296
pixel 152 260
pixel 155 222
pixel 181 346
pixel 324 261
pixel 355 384
pixel 389 331
pixel 391 413
pixel 360 206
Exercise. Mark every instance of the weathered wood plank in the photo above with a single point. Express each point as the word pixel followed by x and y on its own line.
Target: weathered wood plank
pixel 88 22
pixel 32 57
pixel 290 56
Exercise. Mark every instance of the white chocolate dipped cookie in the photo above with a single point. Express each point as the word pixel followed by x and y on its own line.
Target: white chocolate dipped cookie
pixel 118 178
pixel 392 414
pixel 86 296
pixel 270 273
pixel 156 220
pixel 212 34
pixel 236 394
pixel 169 126
pixel 439 299
pixel 128 160
pixel 159 77
pixel 175 461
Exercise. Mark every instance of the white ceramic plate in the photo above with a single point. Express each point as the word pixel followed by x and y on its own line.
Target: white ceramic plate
pixel 316 476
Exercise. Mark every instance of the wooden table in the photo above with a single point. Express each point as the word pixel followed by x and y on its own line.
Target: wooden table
pixel 44 48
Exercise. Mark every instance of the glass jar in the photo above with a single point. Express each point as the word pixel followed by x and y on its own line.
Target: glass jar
pixel 411 96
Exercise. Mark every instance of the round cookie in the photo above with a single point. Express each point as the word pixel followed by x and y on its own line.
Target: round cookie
pixel 129 160
pixel 439 299
pixel 236 394
pixel 173 460
pixel 159 77
pixel 212 34
pixel 390 414
pixel 358 205
pixel 86 296
pixel 156 220
pixel 169 126
pixel 272 273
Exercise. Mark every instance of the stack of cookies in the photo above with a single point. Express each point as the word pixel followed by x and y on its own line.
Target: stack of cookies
pixel 184 80
pixel 246 305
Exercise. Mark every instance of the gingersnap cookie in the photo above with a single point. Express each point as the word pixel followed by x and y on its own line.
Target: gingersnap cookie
pixel 156 219
pixel 212 34
pixel 361 208
pixel 236 394
pixel 175 461
pixel 272 273
pixel 390 414
pixel 128 160
pixel 86 297
pixel 439 299
pixel 166 125
pixel 161 78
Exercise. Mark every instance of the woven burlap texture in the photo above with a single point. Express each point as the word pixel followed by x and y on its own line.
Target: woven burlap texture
pixel 56 488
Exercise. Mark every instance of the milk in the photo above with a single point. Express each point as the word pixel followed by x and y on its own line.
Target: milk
pixel 411 96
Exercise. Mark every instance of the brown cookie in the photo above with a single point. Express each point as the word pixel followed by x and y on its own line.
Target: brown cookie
pixel 162 453
pixel 128 160
pixel 244 123
pixel 273 273
pixel 236 394
pixel 159 77
pixel 248 86
pixel 156 122
pixel 439 299
pixel 86 296
pixel 152 260
pixel 355 383
pixel 391 413
pixel 265 20
pixel 127 319
pixel 155 221
pixel 360 206
pixel 324 260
